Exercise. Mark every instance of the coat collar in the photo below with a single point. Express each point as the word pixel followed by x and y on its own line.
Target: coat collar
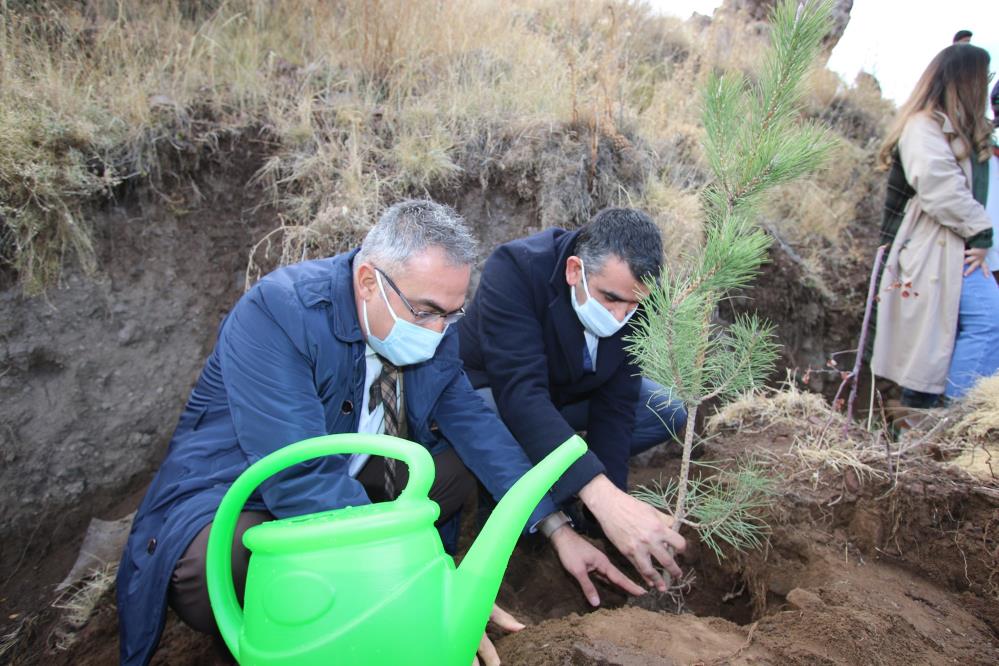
pixel 337 289
pixel 345 324
pixel 945 124
pixel 567 326
pixel 565 246
pixel 956 143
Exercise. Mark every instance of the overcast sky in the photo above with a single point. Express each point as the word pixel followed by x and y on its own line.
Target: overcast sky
pixel 892 39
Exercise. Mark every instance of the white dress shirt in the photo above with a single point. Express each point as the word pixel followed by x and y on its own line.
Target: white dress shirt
pixel 370 423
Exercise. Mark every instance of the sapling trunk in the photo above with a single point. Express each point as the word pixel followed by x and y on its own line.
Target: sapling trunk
pixel 681 496
pixel 688 446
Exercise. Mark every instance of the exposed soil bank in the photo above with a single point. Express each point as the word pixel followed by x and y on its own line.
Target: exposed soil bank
pixel 94 374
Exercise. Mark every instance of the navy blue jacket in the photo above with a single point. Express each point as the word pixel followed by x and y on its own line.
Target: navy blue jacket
pixel 522 338
pixel 289 364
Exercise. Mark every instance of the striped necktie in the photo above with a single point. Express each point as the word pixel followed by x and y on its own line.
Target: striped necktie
pixel 384 392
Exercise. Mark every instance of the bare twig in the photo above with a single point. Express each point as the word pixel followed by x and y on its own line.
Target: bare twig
pixel 869 307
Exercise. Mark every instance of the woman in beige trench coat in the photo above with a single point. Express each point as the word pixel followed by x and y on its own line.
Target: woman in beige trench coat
pixel 938 316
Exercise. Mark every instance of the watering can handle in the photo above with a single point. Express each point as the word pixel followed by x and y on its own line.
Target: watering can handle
pixel 218 565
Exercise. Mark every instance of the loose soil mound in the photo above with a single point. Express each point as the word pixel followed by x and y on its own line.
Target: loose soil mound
pixel 856 571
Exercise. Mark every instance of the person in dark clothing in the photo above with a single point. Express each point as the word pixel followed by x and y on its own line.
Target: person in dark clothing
pixel 545 342
pixel 359 342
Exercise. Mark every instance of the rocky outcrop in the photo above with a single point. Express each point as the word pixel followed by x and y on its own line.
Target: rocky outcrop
pixel 751 16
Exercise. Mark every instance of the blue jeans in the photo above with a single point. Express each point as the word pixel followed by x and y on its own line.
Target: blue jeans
pixel 657 418
pixel 976 349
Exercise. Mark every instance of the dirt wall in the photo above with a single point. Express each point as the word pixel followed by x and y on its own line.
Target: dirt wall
pixel 94 373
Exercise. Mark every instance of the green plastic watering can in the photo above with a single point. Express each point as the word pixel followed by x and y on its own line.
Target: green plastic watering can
pixel 370 584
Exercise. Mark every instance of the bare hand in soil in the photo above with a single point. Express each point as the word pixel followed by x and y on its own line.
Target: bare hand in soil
pixel 486 651
pixel 975 258
pixel 642 533
pixel 581 558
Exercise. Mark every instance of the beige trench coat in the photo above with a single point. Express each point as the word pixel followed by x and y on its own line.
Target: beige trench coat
pixel 920 290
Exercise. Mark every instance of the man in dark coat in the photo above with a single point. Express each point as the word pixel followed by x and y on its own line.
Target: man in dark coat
pixel 543 343
pixel 317 348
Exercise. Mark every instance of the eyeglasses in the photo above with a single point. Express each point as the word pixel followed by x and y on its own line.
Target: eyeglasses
pixel 422 317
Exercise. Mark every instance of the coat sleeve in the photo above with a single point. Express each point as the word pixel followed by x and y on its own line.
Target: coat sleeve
pixel 612 421
pixel 940 183
pixel 516 364
pixel 268 372
pixel 483 443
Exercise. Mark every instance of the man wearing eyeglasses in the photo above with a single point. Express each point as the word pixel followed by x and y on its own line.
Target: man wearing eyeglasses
pixel 359 342
pixel 544 343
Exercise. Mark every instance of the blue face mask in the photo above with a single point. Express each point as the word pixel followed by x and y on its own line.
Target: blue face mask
pixel 595 318
pixel 406 343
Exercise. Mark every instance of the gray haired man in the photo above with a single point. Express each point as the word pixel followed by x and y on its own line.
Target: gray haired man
pixel 359 342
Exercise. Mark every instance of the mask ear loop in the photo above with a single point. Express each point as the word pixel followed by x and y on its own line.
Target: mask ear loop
pixel 381 288
pixel 364 305
pixel 582 270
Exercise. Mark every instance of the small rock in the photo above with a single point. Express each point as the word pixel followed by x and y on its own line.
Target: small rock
pixel 805 599
pixel 129 333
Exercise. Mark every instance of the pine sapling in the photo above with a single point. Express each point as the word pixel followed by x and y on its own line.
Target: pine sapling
pixel 755 140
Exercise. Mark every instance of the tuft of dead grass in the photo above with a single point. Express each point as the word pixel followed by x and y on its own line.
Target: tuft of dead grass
pixel 963 437
pixel 763 408
pixel 976 431
pixel 980 419
pixel 77 605
pixel 16 634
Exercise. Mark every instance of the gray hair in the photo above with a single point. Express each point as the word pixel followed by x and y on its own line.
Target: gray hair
pixel 410 227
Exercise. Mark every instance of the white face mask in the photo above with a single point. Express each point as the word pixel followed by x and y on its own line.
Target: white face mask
pixel 597 319
pixel 406 343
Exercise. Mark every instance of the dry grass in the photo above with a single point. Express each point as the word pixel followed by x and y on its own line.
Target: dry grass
pixel 15 636
pixel 980 419
pixel 977 431
pixel 764 408
pixel 359 102
pixel 964 436
pixel 77 605
pixel 818 445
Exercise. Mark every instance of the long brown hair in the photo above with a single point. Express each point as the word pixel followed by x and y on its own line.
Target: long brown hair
pixel 956 84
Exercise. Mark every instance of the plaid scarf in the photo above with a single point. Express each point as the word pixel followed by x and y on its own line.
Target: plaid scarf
pixel 897 195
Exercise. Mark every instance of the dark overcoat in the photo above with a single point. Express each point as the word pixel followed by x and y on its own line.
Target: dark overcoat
pixel 522 339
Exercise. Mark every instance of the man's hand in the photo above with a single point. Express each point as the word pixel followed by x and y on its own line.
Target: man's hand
pixel 486 651
pixel 580 558
pixel 974 258
pixel 638 530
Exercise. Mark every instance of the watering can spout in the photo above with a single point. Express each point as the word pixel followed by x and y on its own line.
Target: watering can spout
pixel 481 571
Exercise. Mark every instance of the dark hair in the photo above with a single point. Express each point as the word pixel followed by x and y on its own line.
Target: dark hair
pixel 995 94
pixel 962 34
pixel 626 233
